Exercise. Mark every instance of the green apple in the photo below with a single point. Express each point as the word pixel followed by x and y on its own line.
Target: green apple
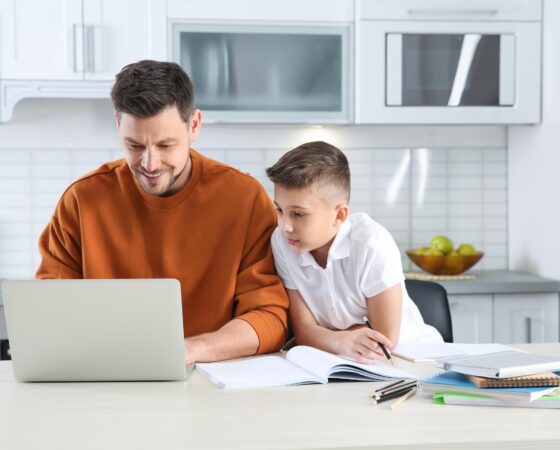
pixel 433 252
pixel 466 250
pixel 421 250
pixel 454 253
pixel 442 243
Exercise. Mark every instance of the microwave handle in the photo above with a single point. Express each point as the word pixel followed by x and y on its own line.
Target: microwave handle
pixel 451 12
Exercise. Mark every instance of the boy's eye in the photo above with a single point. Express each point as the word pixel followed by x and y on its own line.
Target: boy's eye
pixel 298 214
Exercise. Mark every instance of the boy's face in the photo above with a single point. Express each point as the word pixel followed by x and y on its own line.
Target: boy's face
pixel 307 221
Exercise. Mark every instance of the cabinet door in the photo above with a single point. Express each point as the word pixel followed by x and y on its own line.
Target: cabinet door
pixel 471 316
pixel 520 318
pixel 41 40
pixel 267 73
pixel 120 33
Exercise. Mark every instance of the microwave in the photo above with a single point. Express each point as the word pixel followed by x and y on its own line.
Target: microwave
pixel 469 64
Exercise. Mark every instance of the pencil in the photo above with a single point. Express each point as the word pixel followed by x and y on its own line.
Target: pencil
pixel 386 353
pixel 397 403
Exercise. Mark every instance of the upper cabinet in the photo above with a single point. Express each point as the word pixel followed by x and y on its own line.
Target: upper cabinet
pixel 303 61
pixel 259 62
pixel 73 48
pixel 77 39
pixel 449 62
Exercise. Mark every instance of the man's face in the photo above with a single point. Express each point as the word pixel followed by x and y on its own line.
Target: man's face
pixel 157 149
pixel 307 222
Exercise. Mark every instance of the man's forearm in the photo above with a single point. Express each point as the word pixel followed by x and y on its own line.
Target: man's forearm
pixel 234 340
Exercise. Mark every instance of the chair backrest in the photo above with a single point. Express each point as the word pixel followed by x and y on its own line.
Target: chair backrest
pixel 431 299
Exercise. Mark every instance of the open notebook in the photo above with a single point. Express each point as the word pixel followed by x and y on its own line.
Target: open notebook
pixel 300 365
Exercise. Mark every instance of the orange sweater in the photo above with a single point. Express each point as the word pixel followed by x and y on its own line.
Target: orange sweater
pixel 213 236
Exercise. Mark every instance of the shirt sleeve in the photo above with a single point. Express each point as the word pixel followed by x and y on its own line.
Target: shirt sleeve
pixel 382 266
pixel 280 260
pixel 260 298
pixel 60 242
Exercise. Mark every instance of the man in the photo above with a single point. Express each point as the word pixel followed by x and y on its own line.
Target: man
pixel 165 211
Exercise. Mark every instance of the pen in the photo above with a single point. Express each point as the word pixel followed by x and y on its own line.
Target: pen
pixel 397 403
pixel 387 354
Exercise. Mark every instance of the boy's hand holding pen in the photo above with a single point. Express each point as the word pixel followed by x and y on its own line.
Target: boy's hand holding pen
pixel 362 344
pixel 383 348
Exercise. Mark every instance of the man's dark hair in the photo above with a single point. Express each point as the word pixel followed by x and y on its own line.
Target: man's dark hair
pixel 314 164
pixel 145 88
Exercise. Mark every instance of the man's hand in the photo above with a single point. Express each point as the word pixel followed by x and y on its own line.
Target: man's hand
pixel 362 344
pixel 234 340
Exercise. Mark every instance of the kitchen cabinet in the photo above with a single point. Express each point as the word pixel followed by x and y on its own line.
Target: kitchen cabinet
pixel 73 48
pixel 266 61
pixel 526 318
pixel 505 318
pixel 471 316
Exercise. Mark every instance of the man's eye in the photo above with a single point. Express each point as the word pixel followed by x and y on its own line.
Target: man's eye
pixel 278 210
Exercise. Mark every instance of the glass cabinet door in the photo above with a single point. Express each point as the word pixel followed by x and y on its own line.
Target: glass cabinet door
pixel 249 73
pixel 450 69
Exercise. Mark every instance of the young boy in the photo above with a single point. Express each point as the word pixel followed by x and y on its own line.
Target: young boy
pixel 338 268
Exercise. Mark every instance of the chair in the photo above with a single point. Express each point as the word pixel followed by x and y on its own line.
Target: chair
pixel 431 299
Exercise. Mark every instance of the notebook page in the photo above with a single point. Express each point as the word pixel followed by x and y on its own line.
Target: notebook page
pixel 426 351
pixel 322 363
pixel 256 372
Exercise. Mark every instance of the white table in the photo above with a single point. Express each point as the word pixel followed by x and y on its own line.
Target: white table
pixel 196 414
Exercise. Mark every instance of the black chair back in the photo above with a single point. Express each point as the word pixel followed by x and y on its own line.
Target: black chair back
pixel 431 299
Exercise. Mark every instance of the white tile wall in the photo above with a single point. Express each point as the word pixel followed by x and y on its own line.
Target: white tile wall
pixel 416 181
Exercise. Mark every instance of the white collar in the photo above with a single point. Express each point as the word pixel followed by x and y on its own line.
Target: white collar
pixel 340 248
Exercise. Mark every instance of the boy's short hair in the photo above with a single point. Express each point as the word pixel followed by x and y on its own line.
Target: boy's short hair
pixel 314 164
pixel 145 88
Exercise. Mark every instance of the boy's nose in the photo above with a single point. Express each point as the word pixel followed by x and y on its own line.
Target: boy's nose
pixel 285 225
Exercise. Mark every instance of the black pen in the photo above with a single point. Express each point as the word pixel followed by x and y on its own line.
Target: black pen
pixel 387 354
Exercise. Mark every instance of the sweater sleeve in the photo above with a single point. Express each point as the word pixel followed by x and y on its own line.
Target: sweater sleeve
pixel 59 244
pixel 260 298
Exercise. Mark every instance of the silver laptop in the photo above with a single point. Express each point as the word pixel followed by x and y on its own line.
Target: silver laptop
pixel 95 330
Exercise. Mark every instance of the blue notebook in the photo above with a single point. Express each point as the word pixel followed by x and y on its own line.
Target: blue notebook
pixel 453 382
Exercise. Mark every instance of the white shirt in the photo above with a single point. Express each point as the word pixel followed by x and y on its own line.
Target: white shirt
pixel 363 261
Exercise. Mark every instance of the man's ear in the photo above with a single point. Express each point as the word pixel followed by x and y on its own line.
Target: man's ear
pixel 195 123
pixel 117 120
pixel 342 211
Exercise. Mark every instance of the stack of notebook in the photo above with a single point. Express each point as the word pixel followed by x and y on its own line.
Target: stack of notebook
pixel 509 378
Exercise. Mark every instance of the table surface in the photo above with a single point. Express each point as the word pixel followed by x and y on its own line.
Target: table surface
pixel 196 414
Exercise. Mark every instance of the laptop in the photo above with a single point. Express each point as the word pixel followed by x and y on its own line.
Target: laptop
pixel 95 330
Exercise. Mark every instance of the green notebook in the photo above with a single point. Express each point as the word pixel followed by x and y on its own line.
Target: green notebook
pixel 547 402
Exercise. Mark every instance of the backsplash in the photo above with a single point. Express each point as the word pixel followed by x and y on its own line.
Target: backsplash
pixel 414 192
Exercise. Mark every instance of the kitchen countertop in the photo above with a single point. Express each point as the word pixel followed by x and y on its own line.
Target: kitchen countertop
pixel 500 282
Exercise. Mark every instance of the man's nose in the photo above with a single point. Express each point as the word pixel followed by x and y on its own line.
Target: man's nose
pixel 150 159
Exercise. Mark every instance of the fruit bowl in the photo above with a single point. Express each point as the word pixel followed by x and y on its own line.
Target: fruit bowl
pixel 444 265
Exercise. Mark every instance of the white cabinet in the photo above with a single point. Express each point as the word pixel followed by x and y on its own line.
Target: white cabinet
pixel 78 39
pixel 73 48
pixel 41 39
pixel 525 318
pixel 505 318
pixel 471 316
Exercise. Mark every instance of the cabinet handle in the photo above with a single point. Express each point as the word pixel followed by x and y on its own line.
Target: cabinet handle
pixel 78 42
pixel 451 12
pixel 90 49
pixel 528 331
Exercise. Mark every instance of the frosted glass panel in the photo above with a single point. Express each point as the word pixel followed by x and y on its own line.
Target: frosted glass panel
pixel 241 71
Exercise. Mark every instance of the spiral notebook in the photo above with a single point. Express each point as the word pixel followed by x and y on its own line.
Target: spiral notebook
pixel 539 379
pixel 457 383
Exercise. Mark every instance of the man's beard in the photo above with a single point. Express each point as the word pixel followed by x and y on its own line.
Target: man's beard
pixel 166 192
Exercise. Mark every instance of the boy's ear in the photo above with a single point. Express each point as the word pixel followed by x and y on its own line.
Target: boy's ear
pixel 342 212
